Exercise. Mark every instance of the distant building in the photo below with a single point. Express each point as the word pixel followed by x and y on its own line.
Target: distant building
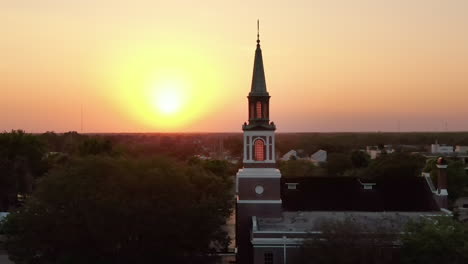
pixel 375 151
pixel 292 154
pixel 275 215
pixel 441 148
pixel 461 149
pixel 319 157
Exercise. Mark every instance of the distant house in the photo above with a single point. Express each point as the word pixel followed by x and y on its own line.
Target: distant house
pixel 375 151
pixel 292 154
pixel 319 157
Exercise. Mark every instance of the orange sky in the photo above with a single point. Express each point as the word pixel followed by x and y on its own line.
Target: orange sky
pixel 330 65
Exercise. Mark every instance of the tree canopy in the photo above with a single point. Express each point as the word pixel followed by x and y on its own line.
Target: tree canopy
pixel 437 240
pixel 360 159
pixel 298 168
pixel 115 210
pixel 396 164
pixel 20 162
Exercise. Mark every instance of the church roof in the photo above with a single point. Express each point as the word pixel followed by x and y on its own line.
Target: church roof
pixel 405 194
pixel 258 87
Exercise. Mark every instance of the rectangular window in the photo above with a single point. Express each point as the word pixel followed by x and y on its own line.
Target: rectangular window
pixel 259 110
pixel 268 258
pixel 259 150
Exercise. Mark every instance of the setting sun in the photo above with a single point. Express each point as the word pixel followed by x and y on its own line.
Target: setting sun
pixel 169 97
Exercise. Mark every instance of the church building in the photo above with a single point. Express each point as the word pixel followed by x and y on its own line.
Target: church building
pixel 274 215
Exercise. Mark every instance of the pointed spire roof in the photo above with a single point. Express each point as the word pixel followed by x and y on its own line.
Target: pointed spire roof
pixel 258 78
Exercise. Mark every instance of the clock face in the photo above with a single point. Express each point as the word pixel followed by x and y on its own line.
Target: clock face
pixel 259 189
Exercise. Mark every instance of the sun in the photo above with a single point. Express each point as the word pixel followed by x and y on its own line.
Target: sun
pixel 168 102
pixel 169 96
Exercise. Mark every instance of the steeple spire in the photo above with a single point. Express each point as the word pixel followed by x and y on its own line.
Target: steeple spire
pixel 258 79
pixel 258 32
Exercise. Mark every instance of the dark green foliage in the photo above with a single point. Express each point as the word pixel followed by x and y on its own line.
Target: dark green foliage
pixel 438 240
pixel 108 210
pixel 360 159
pixel 68 142
pixel 21 160
pixel 338 163
pixel 300 168
pixel 95 146
pixel 234 145
pixel 395 165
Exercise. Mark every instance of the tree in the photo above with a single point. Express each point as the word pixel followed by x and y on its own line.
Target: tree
pixel 114 210
pixel 21 160
pixel 95 146
pixel 395 165
pixel 338 163
pixel 360 159
pixel 436 240
pixel 299 168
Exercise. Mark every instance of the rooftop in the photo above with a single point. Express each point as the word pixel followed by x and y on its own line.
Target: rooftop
pixel 404 194
pixel 309 221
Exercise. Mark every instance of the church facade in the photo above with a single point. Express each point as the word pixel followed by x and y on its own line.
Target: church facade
pixel 275 215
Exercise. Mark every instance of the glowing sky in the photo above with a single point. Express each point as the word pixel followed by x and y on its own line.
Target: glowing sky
pixel 330 65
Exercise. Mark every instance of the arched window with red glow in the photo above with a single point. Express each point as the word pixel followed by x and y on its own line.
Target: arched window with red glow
pixel 259 110
pixel 259 150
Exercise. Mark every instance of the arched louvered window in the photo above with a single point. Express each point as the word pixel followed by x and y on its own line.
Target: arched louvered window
pixel 259 110
pixel 259 150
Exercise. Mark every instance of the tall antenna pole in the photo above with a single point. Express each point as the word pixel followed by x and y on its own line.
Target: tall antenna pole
pixel 81 121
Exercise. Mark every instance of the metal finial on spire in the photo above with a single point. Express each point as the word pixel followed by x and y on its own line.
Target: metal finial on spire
pixel 258 31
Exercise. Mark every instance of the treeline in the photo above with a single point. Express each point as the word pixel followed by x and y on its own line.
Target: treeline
pixel 344 142
pixel 85 199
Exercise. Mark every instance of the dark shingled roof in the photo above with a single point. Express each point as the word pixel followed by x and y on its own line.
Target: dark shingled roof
pixel 258 87
pixel 347 194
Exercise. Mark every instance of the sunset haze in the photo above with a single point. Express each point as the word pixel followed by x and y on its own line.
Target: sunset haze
pixel 186 66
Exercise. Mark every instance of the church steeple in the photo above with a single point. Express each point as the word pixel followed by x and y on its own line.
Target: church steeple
pixel 259 99
pixel 258 78
pixel 258 183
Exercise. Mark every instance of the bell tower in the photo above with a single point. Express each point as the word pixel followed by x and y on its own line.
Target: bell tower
pixel 258 183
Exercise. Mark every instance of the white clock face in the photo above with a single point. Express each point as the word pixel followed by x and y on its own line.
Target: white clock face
pixel 259 189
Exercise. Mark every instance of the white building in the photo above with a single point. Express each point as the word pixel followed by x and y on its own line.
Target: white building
pixel 374 151
pixel 290 154
pixel 441 148
pixel 319 157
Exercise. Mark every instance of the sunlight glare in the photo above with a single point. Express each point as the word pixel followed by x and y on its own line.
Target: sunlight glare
pixel 169 97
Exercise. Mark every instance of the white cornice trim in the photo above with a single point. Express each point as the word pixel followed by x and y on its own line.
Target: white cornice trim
pixel 258 171
pixel 277 241
pixel 260 176
pixel 260 201
pixel 283 246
